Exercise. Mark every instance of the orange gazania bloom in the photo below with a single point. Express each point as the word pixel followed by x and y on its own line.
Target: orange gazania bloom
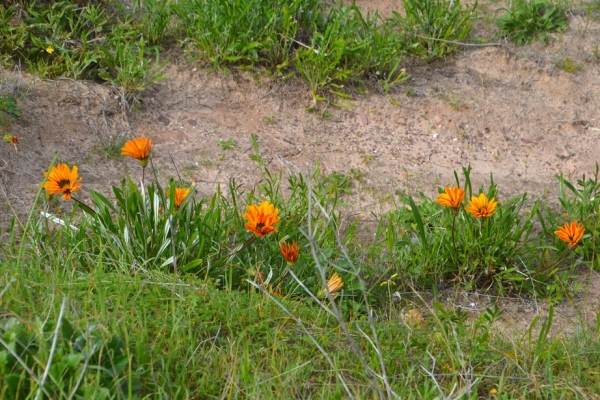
pixel 261 219
pixel 570 233
pixel 180 195
pixel 61 179
pixel 139 149
pixel 452 198
pixel 334 285
pixel 290 251
pixel 481 206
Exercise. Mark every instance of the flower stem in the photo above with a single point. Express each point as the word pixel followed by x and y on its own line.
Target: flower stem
pixel 453 237
pixel 554 264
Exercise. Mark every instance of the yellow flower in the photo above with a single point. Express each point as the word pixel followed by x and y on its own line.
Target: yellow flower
pixel 481 207
pixel 334 285
pixel 261 219
pixel 49 49
pixel 452 198
pixel 61 179
pixel 180 195
pixel 139 149
pixel 570 233
pixel 290 251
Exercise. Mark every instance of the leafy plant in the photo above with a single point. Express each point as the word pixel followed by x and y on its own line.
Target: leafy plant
pixel 9 105
pixel 156 15
pixel 320 64
pixel 527 19
pixel 434 26
pixel 83 361
pixel 124 63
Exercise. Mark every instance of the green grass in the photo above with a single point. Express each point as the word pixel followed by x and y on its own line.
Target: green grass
pixel 137 298
pixel 131 296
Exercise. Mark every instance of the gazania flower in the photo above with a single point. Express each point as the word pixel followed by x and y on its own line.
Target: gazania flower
pixel 290 251
pixel 139 149
pixel 261 219
pixel 334 285
pixel 452 198
pixel 481 206
pixel 570 233
pixel 180 195
pixel 61 179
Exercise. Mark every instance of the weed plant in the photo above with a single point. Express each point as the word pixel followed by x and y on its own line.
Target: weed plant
pixel 435 27
pixel 526 20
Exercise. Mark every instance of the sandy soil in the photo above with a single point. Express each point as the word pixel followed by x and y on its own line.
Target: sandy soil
pixel 502 109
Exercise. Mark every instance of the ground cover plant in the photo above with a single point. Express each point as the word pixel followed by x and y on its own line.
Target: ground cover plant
pixel 241 284
pixel 150 290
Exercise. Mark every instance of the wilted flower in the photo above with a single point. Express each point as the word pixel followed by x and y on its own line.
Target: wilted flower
pixel 414 319
pixel 452 198
pixel 334 285
pixel 261 219
pixel 481 206
pixel 570 233
pixel 290 251
pixel 12 139
pixel 139 149
pixel 61 179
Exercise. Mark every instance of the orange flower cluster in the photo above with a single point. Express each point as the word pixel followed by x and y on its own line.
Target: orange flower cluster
pixel 261 219
pixel 479 206
pixel 570 233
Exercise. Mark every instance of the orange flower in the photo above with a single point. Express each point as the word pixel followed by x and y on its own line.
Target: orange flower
pixel 139 149
pixel 61 179
pixel 570 233
pixel 290 251
pixel 334 285
pixel 261 219
pixel 481 207
pixel 452 198
pixel 180 195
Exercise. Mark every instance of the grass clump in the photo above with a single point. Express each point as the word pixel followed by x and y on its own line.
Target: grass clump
pixel 527 20
pixel 435 27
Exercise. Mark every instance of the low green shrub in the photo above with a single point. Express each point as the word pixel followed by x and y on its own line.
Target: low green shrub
pixel 527 20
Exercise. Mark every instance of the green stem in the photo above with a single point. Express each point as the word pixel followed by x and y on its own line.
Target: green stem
pixel 453 237
pixel 41 188
pixel 556 262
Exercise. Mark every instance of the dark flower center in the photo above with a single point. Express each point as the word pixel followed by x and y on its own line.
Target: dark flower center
pixel 259 226
pixel 63 183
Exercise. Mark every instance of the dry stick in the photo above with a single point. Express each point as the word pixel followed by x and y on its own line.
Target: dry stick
pixel 303 327
pixel 313 247
pixel 370 319
pixel 375 344
pixel 461 43
pixel 12 280
pixel 23 364
pixel 53 349
pixel 336 312
pixel 85 365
